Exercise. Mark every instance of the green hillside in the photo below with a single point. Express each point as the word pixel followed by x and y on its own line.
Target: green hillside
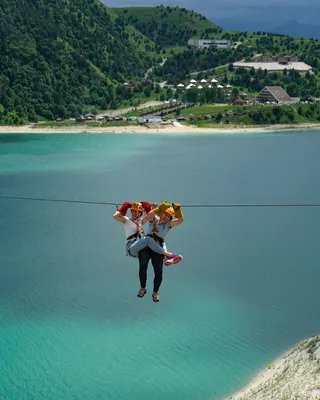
pixel 168 26
pixel 57 56
pixel 60 58
pixel 212 63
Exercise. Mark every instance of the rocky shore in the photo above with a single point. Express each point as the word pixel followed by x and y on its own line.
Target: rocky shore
pixel 295 376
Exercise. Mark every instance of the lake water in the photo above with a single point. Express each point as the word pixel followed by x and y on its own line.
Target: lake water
pixel 246 291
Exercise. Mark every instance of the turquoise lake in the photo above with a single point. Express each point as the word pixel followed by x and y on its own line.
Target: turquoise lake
pixel 246 291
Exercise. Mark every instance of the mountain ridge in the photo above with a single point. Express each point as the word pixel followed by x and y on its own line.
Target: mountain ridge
pixel 296 29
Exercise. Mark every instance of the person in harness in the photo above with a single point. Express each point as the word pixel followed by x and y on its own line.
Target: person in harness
pixel 134 232
pixel 160 222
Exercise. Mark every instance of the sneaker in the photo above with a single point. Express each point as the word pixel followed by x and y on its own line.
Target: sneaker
pixel 173 259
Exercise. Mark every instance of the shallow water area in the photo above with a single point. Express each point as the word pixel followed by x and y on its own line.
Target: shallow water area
pixel 246 291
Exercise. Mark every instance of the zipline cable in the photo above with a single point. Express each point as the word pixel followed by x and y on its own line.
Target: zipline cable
pixel 59 200
pixel 183 205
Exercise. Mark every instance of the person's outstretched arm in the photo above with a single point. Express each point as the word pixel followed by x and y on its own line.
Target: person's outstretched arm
pixel 150 215
pixel 147 208
pixel 179 218
pixel 157 211
pixel 119 215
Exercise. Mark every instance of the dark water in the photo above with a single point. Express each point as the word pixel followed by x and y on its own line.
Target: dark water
pixel 247 289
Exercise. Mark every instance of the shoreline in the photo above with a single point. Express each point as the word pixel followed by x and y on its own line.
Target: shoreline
pixel 175 128
pixel 292 368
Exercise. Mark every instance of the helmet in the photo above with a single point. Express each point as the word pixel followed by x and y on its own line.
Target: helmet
pixel 169 211
pixel 136 206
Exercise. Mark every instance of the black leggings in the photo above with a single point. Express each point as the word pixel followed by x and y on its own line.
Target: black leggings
pixel 145 256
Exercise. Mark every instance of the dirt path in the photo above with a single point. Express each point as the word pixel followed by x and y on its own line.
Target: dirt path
pixel 121 111
pixel 151 68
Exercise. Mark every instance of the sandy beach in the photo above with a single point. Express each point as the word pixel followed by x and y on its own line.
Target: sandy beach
pixel 174 128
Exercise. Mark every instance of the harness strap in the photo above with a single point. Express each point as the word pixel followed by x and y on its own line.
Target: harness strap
pixel 134 236
pixel 154 228
pixel 139 227
pixel 156 238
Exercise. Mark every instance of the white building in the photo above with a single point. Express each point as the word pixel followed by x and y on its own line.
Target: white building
pixel 274 66
pixel 215 43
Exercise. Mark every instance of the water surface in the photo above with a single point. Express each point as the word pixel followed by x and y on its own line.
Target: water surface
pixel 247 289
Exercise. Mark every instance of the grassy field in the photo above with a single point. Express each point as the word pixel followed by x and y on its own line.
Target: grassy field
pixel 212 114
pixel 208 109
pixel 174 49
pixel 138 112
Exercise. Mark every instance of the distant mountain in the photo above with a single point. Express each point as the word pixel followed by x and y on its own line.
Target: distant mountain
pixel 294 28
pixel 247 15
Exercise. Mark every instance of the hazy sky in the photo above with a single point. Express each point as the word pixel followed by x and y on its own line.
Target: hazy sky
pixel 269 13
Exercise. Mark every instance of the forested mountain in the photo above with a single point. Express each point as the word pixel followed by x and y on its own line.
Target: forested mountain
pixel 59 58
pixel 58 55
pixel 168 26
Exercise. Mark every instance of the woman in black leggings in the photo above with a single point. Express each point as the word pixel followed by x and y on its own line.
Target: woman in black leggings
pixel 145 256
pixel 160 222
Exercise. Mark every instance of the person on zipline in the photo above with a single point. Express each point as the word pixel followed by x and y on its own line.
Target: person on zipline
pixel 152 246
pixel 160 222
pixel 134 231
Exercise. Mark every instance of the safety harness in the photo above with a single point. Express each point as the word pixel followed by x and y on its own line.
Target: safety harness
pixel 153 234
pixel 139 231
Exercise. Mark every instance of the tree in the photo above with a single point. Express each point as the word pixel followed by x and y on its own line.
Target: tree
pixel 235 92
pixel 219 117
